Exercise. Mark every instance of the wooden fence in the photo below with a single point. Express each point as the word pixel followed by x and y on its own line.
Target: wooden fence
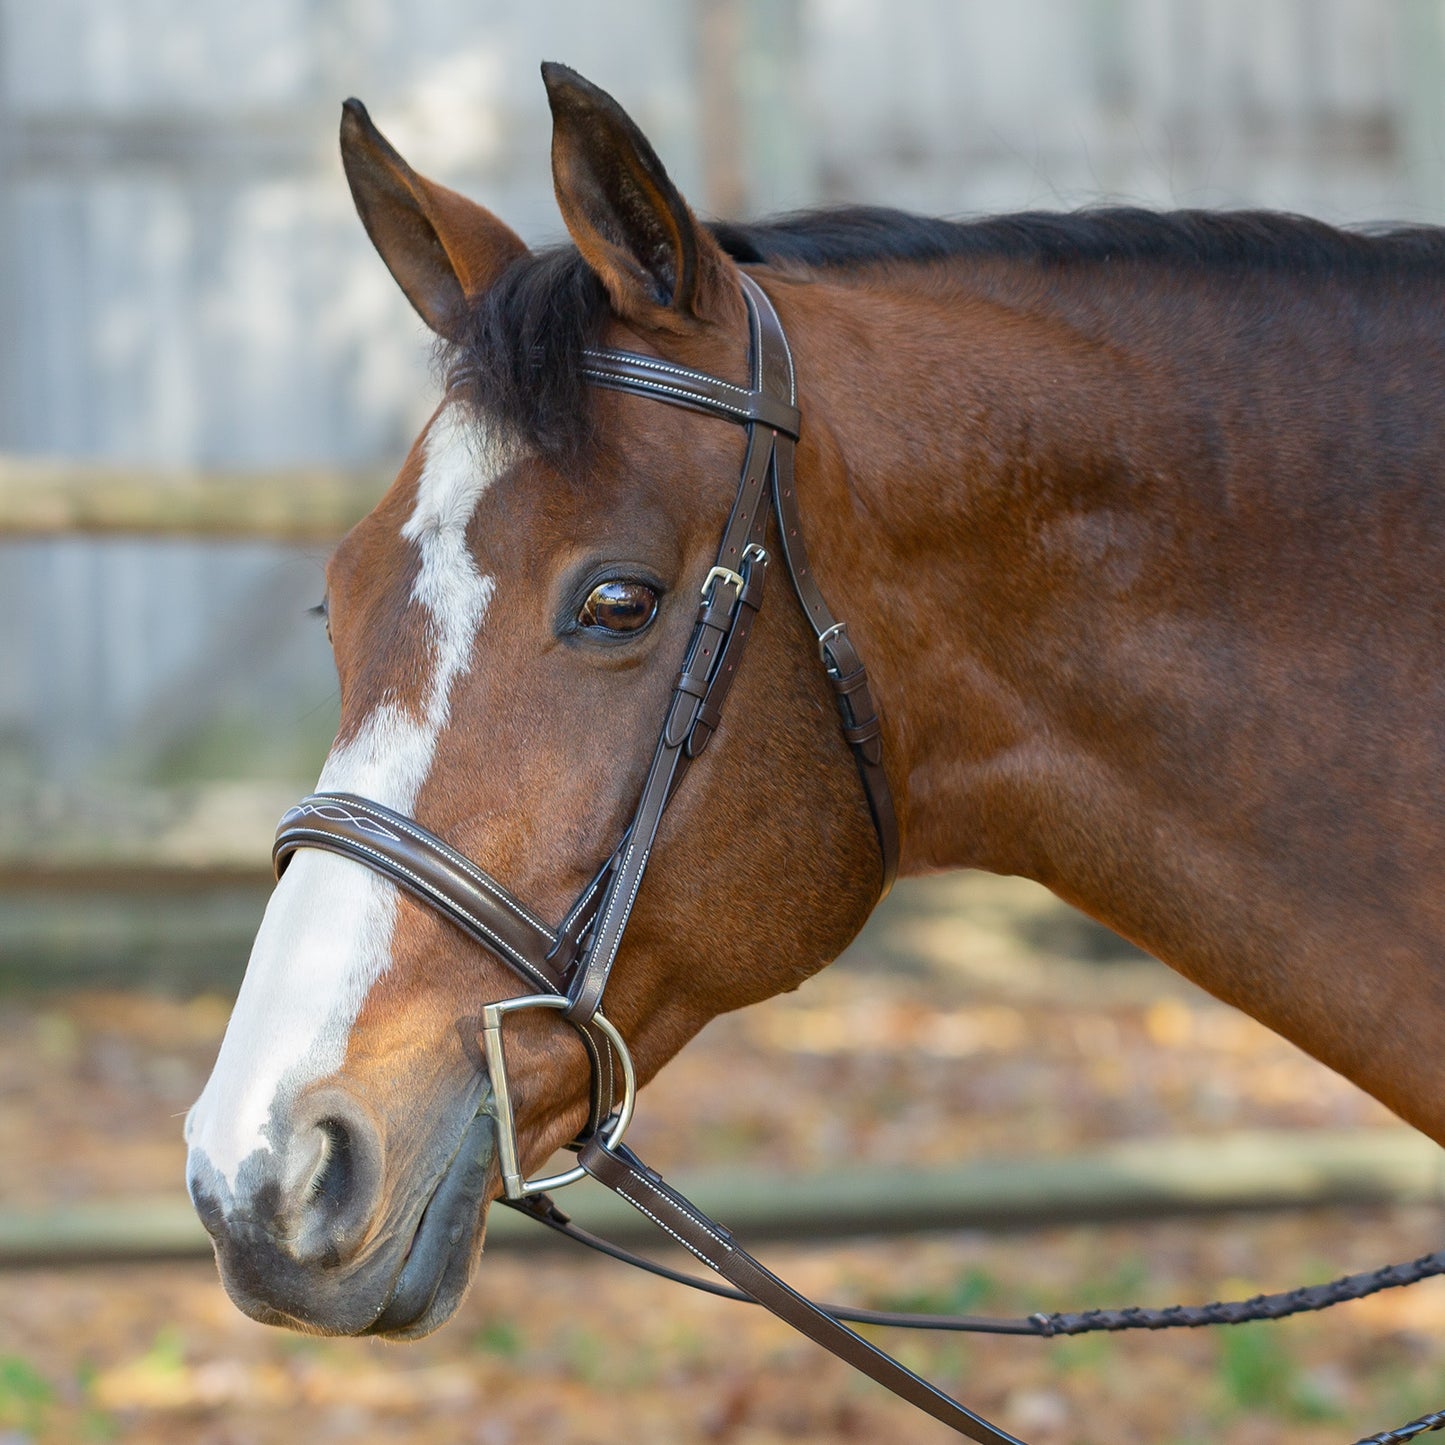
pixel 1144 1179
pixel 55 498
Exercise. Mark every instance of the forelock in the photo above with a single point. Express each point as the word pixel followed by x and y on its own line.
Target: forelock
pixel 519 363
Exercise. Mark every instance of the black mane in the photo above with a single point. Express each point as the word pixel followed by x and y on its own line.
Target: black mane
pixel 859 236
pixel 520 357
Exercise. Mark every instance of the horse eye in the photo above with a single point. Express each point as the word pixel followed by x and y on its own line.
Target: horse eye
pixel 323 611
pixel 618 606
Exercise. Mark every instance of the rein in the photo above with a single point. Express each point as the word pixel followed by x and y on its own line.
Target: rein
pixel 570 965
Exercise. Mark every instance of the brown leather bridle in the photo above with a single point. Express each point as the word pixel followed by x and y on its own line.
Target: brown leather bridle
pixel 570 965
pixel 573 962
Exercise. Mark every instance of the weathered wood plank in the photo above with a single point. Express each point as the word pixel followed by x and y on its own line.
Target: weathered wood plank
pixel 47 498
pixel 213 832
pixel 1137 1180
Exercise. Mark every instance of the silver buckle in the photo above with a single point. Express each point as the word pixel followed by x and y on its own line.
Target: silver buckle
pixel 733 579
pixel 751 553
pixel 514 1186
pixel 824 638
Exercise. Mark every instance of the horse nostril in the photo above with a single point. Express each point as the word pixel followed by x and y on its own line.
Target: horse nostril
pixel 331 1183
pixel 330 1180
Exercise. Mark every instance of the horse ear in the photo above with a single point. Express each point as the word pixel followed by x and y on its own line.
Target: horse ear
pixel 441 247
pixel 631 224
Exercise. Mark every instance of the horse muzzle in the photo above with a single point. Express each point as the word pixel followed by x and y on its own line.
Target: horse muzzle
pixel 306 1237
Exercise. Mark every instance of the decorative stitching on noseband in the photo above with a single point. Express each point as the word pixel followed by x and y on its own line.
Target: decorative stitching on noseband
pixel 464 864
pixel 447 905
pixel 338 814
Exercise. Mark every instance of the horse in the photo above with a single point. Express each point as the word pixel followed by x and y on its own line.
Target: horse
pixel 1136 518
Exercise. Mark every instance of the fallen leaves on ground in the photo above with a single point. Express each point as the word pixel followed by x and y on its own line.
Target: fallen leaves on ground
pixel 964 1054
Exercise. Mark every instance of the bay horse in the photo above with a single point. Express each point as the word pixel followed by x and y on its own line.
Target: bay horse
pixel 1138 520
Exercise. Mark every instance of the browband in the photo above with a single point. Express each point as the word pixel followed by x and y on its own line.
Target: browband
pixel 695 390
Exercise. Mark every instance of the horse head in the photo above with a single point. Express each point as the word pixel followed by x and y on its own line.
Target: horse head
pixel 508 624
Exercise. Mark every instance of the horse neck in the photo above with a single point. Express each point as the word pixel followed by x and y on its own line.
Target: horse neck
pixel 1085 564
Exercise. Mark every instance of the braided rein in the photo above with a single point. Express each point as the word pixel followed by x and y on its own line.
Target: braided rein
pixel 1239 1312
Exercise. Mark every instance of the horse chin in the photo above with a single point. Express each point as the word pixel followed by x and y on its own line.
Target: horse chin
pixel 443 1254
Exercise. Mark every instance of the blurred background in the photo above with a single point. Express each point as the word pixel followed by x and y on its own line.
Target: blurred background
pixel 206 374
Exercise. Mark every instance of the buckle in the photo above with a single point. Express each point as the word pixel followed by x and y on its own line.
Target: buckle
pixel 838 629
pixel 751 553
pixel 733 579
pixel 514 1186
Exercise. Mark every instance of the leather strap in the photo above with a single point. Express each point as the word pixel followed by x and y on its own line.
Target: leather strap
pixel 544 1210
pixel 859 713
pixel 856 708
pixel 427 868
pixel 706 674
pixel 714 651
pixel 626 1175
pixel 466 896
pixel 631 371
pixel 1308 1299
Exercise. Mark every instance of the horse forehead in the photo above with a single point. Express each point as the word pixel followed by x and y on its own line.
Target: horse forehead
pixel 456 459
pixel 459 458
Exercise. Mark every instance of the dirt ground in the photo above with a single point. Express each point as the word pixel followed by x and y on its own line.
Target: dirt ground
pixel 964 1026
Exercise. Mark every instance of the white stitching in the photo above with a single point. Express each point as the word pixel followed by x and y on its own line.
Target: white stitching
pixel 710 405
pixel 338 814
pixel 327 842
pixel 612 903
pixel 691 1248
pixel 621 383
pixel 648 362
pixel 465 866
pixel 682 372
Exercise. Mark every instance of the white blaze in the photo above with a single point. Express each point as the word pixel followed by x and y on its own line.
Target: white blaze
pixel 326 936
